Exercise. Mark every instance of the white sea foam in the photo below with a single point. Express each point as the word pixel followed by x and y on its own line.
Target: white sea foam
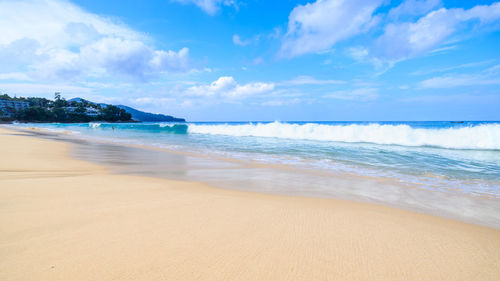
pixel 163 125
pixel 485 136
pixel 94 125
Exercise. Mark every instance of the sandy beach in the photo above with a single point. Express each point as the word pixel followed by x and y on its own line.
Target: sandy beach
pixel 65 219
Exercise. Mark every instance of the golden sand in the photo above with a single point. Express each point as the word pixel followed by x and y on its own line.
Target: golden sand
pixel 63 219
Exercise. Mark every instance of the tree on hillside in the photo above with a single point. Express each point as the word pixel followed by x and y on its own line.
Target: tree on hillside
pixel 80 109
pixel 59 114
pixel 41 102
pixel 5 97
pixel 35 113
pixel 59 101
pixel 112 113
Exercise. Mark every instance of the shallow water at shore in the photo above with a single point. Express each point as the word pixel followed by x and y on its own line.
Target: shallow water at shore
pixel 284 179
pixel 434 155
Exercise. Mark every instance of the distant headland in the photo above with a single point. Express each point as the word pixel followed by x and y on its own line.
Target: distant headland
pixel 76 110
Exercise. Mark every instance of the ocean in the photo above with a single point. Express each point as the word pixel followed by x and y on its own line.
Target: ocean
pixel 464 156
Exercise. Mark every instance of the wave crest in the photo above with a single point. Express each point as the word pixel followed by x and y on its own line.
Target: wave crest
pixel 94 125
pixel 485 136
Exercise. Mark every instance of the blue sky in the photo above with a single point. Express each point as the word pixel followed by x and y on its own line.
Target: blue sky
pixel 260 60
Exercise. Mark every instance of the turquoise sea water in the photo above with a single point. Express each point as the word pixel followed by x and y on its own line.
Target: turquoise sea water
pixel 444 155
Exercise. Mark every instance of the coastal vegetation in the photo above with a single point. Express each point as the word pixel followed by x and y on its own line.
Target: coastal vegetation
pixel 60 110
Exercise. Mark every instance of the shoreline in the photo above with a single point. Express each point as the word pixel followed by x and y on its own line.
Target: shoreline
pixel 281 179
pixel 66 219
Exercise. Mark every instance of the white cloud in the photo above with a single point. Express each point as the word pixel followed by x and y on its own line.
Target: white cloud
pixel 453 81
pixel 362 94
pixel 455 67
pixel 485 13
pixel 318 26
pixel 46 90
pixel 464 98
pixel 55 39
pixel 14 76
pixel 128 57
pixel 275 34
pixel 409 39
pixel 494 68
pixel 239 42
pixel 155 104
pixel 56 23
pixel 414 8
pixel 488 76
pixel 413 28
pixel 358 53
pixel 210 7
pixel 308 80
pixel 227 87
pixel 362 54
pixel 281 102
pixel 444 49
pixel 256 38
pixel 258 60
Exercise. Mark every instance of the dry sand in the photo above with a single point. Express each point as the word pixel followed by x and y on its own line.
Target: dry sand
pixel 63 219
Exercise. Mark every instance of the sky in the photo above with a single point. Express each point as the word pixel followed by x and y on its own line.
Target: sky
pixel 257 60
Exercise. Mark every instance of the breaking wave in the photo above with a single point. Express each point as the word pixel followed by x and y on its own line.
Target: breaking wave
pixel 94 125
pixel 484 136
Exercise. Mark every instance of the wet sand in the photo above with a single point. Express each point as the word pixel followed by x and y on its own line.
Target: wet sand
pixel 66 219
